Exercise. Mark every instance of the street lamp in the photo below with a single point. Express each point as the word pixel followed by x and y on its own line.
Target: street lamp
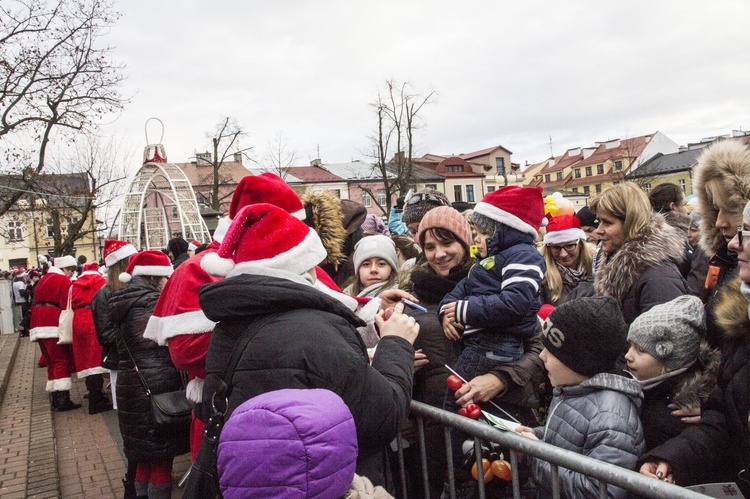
pixel 100 237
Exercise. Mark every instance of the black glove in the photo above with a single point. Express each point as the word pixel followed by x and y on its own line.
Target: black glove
pixel 400 202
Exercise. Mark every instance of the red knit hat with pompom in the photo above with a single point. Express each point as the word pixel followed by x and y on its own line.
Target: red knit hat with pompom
pixel 564 229
pixel 266 188
pixel 147 263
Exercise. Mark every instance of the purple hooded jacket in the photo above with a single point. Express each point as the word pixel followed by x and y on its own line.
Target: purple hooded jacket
pixel 288 443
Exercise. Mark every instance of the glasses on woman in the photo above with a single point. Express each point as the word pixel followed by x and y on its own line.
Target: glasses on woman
pixel 416 198
pixel 742 234
pixel 569 248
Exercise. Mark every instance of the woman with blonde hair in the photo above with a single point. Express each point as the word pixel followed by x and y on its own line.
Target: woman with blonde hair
pixel 569 258
pixel 639 251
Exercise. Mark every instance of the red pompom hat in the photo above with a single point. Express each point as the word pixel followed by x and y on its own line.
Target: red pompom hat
pixel 193 245
pixel 115 250
pixel 521 208
pixel 148 263
pixel 564 229
pixel 266 188
pixel 265 236
pixel 91 267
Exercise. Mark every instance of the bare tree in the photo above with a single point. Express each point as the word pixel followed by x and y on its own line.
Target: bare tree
pixel 279 157
pixel 225 144
pixel 397 111
pixel 54 77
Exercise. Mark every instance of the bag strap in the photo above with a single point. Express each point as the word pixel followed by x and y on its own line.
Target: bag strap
pixel 137 371
pixel 224 388
pixel 70 298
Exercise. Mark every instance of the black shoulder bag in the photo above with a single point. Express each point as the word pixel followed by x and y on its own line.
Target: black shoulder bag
pixel 168 408
pixel 203 478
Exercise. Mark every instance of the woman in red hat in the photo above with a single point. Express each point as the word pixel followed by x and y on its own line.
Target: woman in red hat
pixel 569 257
pixel 153 447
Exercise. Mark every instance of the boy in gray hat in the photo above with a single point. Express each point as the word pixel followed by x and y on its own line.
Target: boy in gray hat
pixel 594 411
pixel 675 368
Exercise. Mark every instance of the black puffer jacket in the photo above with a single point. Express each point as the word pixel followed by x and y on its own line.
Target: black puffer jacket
pixel 718 447
pixel 306 339
pixel 106 332
pixel 130 309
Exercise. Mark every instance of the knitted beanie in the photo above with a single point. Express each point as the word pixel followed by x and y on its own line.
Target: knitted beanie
pixel 445 217
pixel 587 334
pixel 376 246
pixel 671 332
pixel 421 202
pixel 695 220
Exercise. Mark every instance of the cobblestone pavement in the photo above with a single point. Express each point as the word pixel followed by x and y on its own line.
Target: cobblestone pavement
pixel 64 454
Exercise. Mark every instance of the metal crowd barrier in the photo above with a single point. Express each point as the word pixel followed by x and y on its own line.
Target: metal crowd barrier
pixel 606 473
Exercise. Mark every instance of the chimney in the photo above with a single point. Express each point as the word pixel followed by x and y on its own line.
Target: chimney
pixel 238 157
pixel 316 162
pixel 203 158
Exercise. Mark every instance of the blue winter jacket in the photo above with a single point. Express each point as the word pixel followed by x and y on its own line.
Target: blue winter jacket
pixel 501 294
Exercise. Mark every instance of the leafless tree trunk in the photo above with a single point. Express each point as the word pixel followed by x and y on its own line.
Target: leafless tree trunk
pixel 224 144
pixel 279 157
pixel 54 77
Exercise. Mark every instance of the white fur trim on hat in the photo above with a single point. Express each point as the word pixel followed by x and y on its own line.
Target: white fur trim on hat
pixel 564 236
pixel 297 260
pixel 299 214
pixel 221 229
pixel 122 253
pixel 65 261
pixel 504 217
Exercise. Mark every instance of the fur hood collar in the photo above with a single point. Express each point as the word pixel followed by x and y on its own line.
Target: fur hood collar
pixel 731 311
pixel 727 162
pixel 324 214
pixel 694 388
pixel 654 244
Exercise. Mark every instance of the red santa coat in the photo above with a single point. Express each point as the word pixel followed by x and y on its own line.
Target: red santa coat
pixel 87 352
pixel 50 298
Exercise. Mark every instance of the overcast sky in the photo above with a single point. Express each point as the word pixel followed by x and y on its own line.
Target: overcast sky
pixel 506 73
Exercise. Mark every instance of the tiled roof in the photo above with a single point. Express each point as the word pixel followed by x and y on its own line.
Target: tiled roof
pixel 667 163
pixel 231 172
pixel 483 152
pixel 312 174
pixel 631 148
pixel 355 170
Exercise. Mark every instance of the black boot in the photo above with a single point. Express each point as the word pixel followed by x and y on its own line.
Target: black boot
pixel 63 402
pixel 98 402
pixel 129 486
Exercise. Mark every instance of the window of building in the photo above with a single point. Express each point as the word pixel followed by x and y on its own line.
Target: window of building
pixel 336 192
pixel 598 188
pixel 428 186
pixel 500 163
pixel 681 182
pixel 559 176
pixel 600 169
pixel 586 190
pixel 577 173
pixel 381 197
pixel 588 171
pixel 490 188
pixel 15 231
pixel 618 165
pixel 575 190
pixel 175 212
pixel 72 221
pixel 366 199
pixel 457 194
pixel 50 228
pixel 547 178
pixel 647 187
pixel 469 193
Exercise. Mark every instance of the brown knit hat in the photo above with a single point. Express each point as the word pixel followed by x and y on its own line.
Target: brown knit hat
pixel 447 218
pixel 421 202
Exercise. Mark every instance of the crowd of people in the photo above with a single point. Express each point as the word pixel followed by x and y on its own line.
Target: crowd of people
pixel 619 332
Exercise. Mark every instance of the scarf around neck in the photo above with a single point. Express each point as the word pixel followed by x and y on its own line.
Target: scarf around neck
pixel 430 287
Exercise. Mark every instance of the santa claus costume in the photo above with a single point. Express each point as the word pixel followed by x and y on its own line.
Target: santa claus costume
pixel 50 298
pixel 87 352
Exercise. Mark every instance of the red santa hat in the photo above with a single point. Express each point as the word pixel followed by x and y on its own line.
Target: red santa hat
pixel 564 229
pixel 193 245
pixel 91 267
pixel 148 263
pixel 266 188
pixel 115 250
pixel 265 236
pixel 521 208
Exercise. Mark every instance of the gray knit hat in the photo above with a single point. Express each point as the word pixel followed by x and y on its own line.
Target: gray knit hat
pixel 377 246
pixel 671 332
pixel 695 220
pixel 421 202
pixel 587 334
pixel 483 222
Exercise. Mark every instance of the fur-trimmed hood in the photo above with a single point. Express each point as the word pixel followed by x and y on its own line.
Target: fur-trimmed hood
pixel 694 389
pixel 729 163
pixel 731 310
pixel 324 214
pixel 654 244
